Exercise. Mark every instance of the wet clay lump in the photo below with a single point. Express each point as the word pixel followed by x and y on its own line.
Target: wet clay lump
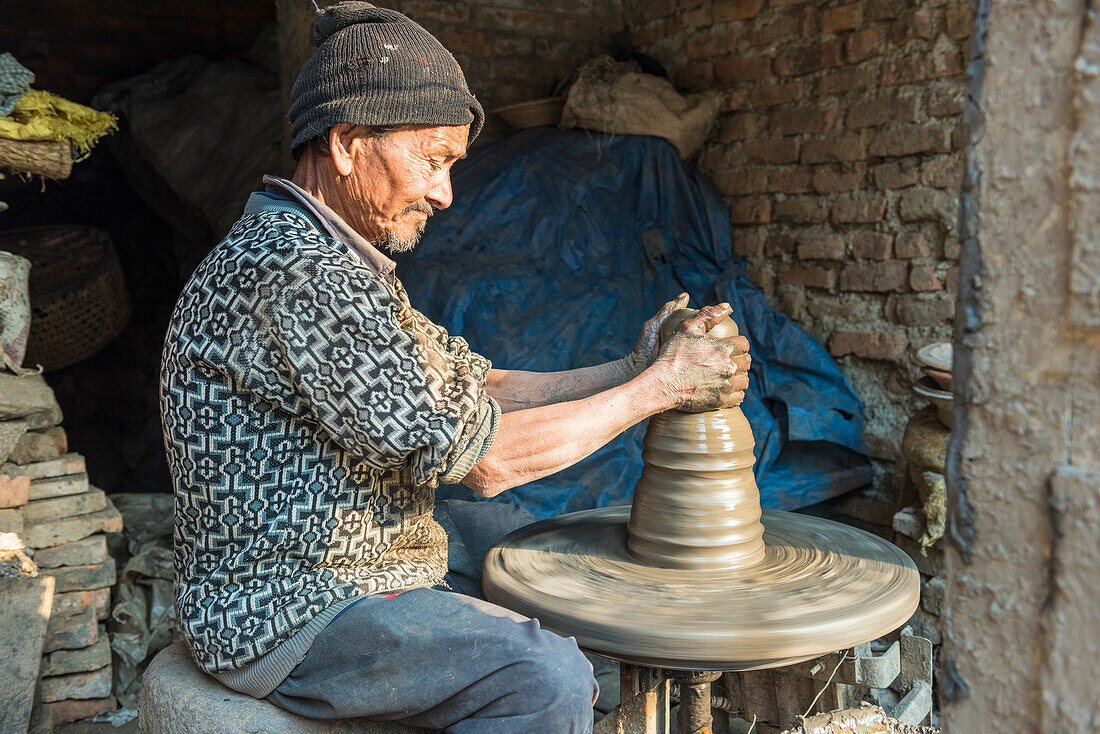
pixel 694 575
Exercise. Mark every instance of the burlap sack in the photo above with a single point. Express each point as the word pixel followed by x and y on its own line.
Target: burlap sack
pixel 614 97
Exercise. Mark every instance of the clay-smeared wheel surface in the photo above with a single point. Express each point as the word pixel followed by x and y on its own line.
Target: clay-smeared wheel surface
pixel 820 586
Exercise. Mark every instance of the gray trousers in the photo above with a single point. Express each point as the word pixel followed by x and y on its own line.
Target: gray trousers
pixel 446 660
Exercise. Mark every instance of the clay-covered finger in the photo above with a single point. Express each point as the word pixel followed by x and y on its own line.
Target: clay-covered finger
pixel 707 318
pixel 666 310
pixel 715 314
pixel 740 382
pixel 681 301
pixel 742 362
pixel 739 343
pixel 735 399
pixel 730 352
pixel 727 349
pixel 677 303
pixel 694 324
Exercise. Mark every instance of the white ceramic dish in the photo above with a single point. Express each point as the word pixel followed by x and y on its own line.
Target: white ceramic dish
pixel 942 399
pixel 937 356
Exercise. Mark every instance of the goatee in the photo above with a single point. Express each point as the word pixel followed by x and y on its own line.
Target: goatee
pixel 393 243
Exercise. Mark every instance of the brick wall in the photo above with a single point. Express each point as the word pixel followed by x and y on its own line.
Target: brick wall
pixel 838 154
pixel 510 50
pixel 517 50
pixel 74 47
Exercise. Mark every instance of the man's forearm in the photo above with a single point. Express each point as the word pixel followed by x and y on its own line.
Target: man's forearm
pixel 518 390
pixel 536 442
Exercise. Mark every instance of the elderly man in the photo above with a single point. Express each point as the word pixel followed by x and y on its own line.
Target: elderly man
pixel 310 411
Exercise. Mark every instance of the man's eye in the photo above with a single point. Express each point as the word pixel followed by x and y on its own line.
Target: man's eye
pixel 435 166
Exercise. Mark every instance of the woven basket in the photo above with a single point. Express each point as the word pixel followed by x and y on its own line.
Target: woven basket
pixel 79 301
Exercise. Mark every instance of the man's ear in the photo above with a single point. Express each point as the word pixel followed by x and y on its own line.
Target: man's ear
pixel 341 136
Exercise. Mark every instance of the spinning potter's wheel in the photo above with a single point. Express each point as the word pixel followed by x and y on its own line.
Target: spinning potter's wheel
pixel 694 576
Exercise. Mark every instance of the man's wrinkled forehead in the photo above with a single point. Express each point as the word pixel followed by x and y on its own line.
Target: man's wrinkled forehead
pixel 448 141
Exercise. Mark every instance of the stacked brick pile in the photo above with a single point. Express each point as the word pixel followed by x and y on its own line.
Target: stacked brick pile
pixel 46 499
pixel 919 529
pixel 908 529
pixel 839 155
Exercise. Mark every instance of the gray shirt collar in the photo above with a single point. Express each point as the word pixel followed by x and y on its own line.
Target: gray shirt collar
pixel 334 226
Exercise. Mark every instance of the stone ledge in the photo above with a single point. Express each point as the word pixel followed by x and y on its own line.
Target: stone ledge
pixel 176 698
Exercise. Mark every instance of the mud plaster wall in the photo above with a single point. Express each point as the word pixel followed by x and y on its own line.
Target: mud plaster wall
pixel 838 154
pixel 1023 562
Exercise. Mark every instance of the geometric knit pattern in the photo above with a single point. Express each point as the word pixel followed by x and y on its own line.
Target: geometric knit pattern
pixel 308 413
pixel 15 80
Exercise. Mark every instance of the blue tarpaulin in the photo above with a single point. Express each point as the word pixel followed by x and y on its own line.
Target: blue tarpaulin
pixel 560 244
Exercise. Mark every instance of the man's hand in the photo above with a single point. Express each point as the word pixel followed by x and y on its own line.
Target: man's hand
pixel 703 373
pixel 692 372
pixel 649 342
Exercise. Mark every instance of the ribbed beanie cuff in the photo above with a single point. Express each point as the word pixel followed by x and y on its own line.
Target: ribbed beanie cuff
pixel 374 66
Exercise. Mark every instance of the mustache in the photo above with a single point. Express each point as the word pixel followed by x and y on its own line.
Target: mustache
pixel 419 206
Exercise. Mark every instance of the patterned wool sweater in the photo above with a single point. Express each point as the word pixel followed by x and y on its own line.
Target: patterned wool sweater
pixel 309 412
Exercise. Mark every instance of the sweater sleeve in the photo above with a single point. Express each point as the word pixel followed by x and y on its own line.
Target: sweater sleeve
pixel 383 386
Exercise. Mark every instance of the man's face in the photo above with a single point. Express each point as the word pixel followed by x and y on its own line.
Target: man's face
pixel 398 180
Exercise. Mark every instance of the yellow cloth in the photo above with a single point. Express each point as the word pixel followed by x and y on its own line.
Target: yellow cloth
pixel 43 116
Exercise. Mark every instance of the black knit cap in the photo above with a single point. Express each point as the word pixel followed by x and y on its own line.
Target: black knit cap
pixel 374 66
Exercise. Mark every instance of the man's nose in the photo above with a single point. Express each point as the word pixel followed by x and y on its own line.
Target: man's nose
pixel 440 196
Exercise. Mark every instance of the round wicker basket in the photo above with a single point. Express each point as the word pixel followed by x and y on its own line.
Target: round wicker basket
pixel 79 301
